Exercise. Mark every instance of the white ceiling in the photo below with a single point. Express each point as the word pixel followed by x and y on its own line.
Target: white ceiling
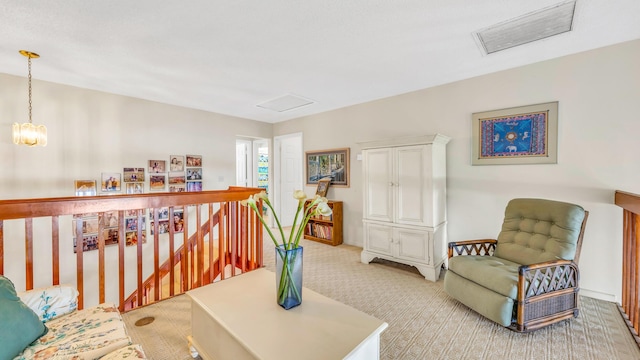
pixel 229 56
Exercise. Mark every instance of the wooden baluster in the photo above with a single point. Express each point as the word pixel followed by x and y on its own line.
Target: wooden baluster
pixel 156 256
pixel 211 257
pixel 221 239
pixel 200 244
pixel 28 251
pixel 55 250
pixel 1 247
pixel 234 242
pixel 635 273
pixel 122 240
pixel 79 261
pixel 172 231
pixel 184 276
pixel 139 253
pixel 101 240
pixel 243 237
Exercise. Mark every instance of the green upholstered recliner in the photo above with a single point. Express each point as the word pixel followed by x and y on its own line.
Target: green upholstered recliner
pixel 528 277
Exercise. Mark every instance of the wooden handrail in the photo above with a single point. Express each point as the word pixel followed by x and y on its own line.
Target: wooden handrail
pixel 630 307
pixel 236 230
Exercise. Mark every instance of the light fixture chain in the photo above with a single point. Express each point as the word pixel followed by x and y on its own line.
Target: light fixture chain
pixel 29 57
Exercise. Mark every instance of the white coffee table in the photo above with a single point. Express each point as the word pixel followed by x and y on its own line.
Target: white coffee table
pixel 239 318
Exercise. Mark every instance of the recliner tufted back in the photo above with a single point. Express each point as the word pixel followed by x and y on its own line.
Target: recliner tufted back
pixel 538 230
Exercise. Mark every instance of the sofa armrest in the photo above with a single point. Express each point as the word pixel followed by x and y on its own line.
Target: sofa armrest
pixel 472 247
pixel 50 302
pixel 547 277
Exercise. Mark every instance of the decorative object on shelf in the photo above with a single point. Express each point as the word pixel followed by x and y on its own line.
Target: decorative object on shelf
pixel 289 252
pixel 323 187
pixel 328 163
pixel 519 135
pixel 27 133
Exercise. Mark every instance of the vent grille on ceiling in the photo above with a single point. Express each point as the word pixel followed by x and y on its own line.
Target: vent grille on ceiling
pixel 285 103
pixel 531 27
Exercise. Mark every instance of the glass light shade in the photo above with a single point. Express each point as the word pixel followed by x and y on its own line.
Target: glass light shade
pixel 29 134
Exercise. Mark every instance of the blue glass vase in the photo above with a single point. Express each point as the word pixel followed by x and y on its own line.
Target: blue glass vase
pixel 288 277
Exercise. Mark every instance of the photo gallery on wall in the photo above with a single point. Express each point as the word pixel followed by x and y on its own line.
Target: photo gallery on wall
pixel 181 173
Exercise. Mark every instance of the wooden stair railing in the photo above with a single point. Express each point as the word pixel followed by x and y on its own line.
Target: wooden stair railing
pixel 630 308
pixel 41 224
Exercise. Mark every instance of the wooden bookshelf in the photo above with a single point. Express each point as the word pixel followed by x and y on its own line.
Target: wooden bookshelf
pixel 326 229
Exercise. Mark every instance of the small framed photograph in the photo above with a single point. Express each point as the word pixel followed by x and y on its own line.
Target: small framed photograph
pixel 194 160
pixel 89 225
pixel 177 188
pixel 135 188
pixel 109 219
pixel 89 242
pixel 194 174
pixel 176 178
pixel 133 175
pixel 131 238
pixel 110 236
pixel 157 166
pixel 176 163
pixel 157 182
pixel 85 187
pixel 163 227
pixel 131 213
pixel 323 186
pixel 110 182
pixel 178 220
pixel 193 186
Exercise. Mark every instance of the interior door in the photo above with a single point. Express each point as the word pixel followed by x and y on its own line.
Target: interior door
pixel 289 176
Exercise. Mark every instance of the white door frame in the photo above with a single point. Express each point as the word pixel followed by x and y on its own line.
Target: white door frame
pixel 278 172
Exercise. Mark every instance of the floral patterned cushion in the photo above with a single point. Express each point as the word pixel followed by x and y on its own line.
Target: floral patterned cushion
pixel 85 334
pixel 51 301
pixel 129 352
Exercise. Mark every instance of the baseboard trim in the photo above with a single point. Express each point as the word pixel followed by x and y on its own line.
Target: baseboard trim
pixel 598 295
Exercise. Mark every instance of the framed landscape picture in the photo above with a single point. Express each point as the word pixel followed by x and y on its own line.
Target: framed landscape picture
pixel 332 164
pixel 85 187
pixel 520 135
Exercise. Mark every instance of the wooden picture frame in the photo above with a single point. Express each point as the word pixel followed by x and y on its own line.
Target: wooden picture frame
pixel 323 187
pixel 85 187
pixel 518 135
pixel 333 163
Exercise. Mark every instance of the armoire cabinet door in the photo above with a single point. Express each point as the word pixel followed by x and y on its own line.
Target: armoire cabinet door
pixel 378 238
pixel 413 245
pixel 378 184
pixel 411 178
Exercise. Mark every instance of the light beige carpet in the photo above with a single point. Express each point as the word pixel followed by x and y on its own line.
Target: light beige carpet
pixel 424 322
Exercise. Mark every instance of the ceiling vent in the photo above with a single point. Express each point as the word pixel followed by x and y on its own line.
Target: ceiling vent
pixel 534 26
pixel 285 103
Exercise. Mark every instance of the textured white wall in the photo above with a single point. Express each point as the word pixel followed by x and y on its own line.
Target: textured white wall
pixel 89 133
pixel 599 102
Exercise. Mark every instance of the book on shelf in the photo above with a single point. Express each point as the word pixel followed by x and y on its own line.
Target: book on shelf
pixel 319 231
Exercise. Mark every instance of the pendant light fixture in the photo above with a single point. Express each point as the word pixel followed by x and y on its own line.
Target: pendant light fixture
pixel 27 133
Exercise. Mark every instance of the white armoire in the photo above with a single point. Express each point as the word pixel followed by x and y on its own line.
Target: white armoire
pixel 404 215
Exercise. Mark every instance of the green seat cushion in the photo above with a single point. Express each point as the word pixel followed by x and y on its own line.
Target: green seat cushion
pixel 19 325
pixel 493 273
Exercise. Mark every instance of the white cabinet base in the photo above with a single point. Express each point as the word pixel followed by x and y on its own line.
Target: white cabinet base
pixel 431 273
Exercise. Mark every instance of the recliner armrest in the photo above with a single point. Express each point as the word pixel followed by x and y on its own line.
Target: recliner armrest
pixel 50 302
pixel 543 278
pixel 472 247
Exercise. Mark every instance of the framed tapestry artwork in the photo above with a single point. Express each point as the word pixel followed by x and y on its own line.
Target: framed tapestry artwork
pixel 333 164
pixel 519 135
